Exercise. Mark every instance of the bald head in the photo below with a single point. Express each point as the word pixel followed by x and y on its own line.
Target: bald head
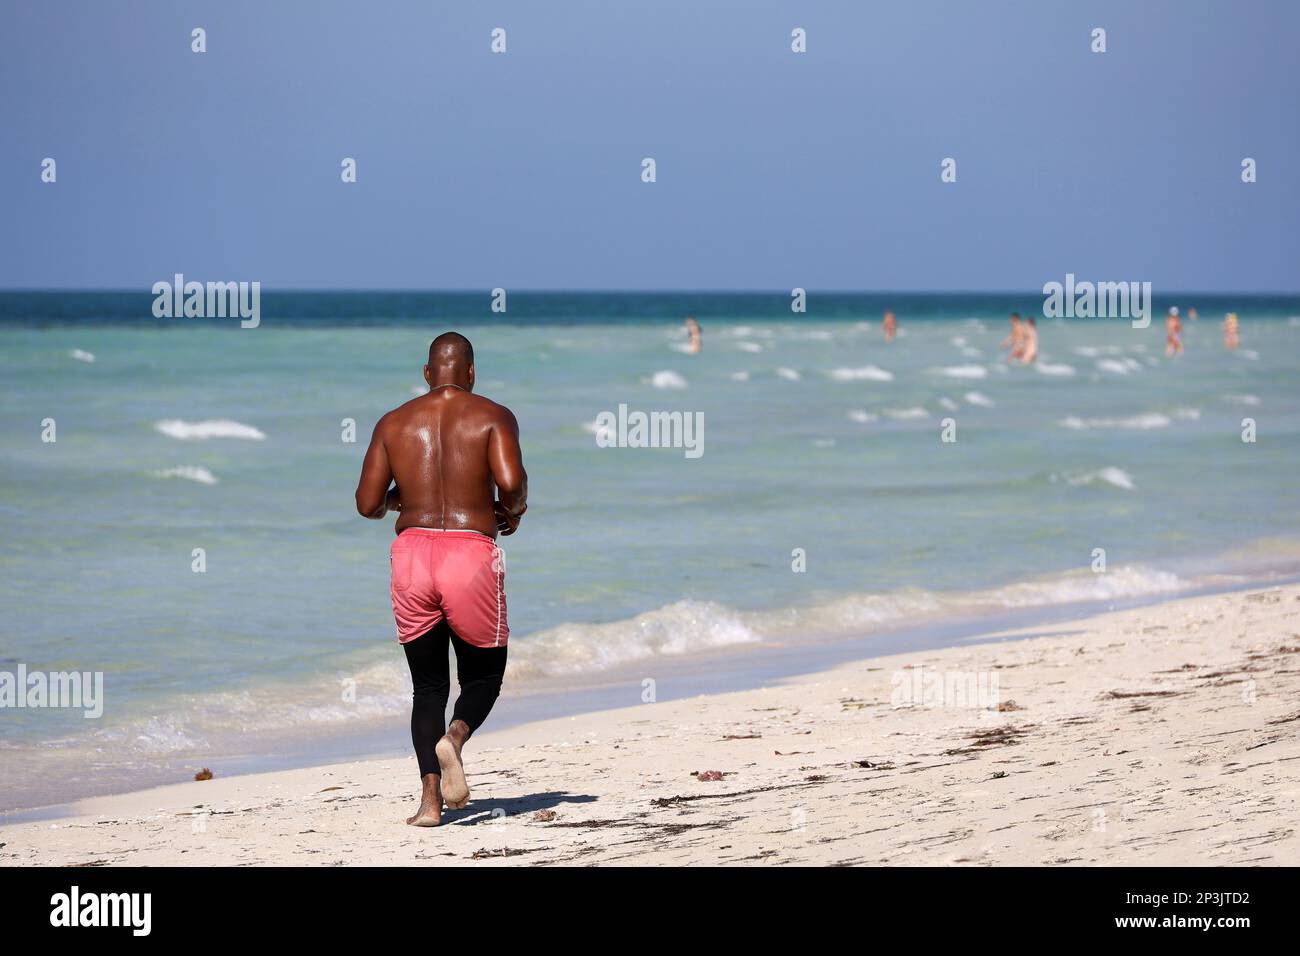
pixel 451 361
pixel 451 348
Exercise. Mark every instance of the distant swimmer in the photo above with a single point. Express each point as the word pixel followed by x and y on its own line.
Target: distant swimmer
pixel 1015 339
pixel 458 481
pixel 693 328
pixel 1173 333
pixel 1029 351
pixel 890 325
pixel 1191 314
pixel 1231 333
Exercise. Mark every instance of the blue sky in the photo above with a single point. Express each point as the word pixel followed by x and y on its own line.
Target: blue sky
pixel 775 170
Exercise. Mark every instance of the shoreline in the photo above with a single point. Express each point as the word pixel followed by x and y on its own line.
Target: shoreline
pixel 1156 734
pixel 718 670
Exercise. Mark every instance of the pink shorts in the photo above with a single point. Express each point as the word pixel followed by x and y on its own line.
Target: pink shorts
pixel 457 575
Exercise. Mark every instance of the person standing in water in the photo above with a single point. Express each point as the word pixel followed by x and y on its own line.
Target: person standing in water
pixel 1173 332
pixel 1231 333
pixel 693 328
pixel 457 480
pixel 1029 342
pixel 1015 338
pixel 890 326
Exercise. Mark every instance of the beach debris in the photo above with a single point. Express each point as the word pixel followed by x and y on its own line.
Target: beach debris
pixel 328 789
pixel 868 765
pixel 486 854
pixel 998 774
pixel 544 816
pixel 815 778
pixel 204 774
pixel 742 737
pixel 705 776
pixel 853 703
pixel 1008 705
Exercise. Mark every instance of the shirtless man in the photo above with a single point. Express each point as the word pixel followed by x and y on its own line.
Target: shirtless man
pixel 1173 332
pixel 890 325
pixel 459 481
pixel 1029 342
pixel 1015 339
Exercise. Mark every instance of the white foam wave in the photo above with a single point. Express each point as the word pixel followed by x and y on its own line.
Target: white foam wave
pixel 192 472
pixel 209 428
pixel 681 628
pixel 789 374
pixel 1242 399
pixel 749 346
pixel 82 356
pixel 1120 366
pixel 906 414
pixel 667 378
pixel 1047 368
pixel 870 373
pixel 979 398
pixel 862 416
pixel 964 371
pixel 1142 422
pixel 1117 477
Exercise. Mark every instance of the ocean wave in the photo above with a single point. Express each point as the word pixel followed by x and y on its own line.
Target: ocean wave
pixel 979 398
pixel 907 414
pixel 749 346
pixel 1048 368
pixel 667 378
pixel 1119 366
pixel 789 374
pixel 82 356
pixel 676 629
pixel 1141 422
pixel 192 472
pixel 1111 475
pixel 870 373
pixel 1242 399
pixel 209 428
pixel 862 416
pixel 963 371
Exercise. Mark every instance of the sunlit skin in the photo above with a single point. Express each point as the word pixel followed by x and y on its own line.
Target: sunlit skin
pixel 1015 340
pixel 451 460
pixel 693 328
pixel 1173 334
pixel 890 326
pixel 1029 342
pixel 1231 333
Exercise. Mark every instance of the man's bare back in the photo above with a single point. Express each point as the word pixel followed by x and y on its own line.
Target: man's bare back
pixel 450 453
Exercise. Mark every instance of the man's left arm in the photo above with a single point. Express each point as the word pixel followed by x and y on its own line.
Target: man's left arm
pixel 373 497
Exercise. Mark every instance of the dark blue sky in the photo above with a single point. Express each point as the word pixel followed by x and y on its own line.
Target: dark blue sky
pixel 774 169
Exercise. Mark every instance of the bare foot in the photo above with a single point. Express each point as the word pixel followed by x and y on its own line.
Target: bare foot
pixel 455 789
pixel 430 812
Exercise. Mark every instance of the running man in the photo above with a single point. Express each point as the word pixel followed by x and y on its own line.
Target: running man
pixel 1173 332
pixel 890 325
pixel 459 482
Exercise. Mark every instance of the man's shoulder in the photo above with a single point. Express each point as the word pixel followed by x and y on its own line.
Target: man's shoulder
pixel 490 409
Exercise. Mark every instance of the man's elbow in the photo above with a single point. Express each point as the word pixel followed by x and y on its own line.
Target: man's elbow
pixel 369 509
pixel 513 492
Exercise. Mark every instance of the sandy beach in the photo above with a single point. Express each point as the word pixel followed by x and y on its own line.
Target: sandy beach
pixel 1164 735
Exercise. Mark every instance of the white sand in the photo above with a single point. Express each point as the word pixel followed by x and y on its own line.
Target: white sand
pixel 1165 735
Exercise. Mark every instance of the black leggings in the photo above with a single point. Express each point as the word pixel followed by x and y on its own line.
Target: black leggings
pixel 478 670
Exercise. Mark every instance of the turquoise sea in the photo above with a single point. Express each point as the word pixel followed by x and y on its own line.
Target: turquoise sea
pixel 183 434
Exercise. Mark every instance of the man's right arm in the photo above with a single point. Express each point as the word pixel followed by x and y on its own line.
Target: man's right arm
pixel 506 460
